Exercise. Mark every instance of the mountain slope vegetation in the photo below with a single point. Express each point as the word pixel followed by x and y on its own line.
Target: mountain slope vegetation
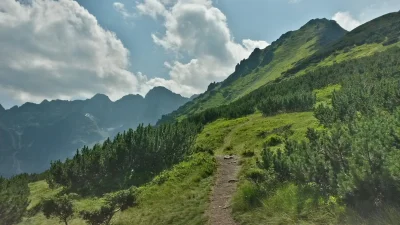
pixel 266 65
pixel 320 145
pixel 384 31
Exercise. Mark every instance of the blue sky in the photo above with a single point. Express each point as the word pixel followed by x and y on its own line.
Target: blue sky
pixel 58 50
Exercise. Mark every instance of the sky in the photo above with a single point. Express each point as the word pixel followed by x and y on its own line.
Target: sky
pixel 70 49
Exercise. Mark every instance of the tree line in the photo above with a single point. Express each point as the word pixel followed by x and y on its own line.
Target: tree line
pixel 131 159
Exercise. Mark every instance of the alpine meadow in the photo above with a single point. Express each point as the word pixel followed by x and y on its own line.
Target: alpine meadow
pixel 305 130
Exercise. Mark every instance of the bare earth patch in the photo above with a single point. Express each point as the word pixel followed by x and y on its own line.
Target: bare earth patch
pixel 220 211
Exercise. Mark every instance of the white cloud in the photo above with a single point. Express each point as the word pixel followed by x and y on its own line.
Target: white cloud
pixel 120 7
pixel 56 49
pixel 346 20
pixel 198 30
pixel 152 8
pixel 251 45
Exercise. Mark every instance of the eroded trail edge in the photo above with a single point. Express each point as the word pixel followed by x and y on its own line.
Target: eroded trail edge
pixel 220 211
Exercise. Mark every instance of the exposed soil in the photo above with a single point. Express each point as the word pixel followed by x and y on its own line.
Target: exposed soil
pixel 220 211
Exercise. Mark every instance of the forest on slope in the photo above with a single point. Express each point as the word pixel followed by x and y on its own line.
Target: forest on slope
pixel 322 146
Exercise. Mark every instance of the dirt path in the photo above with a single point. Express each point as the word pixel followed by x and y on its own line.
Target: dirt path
pixel 225 186
pixel 220 210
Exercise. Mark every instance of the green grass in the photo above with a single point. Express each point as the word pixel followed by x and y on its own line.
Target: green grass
pixel 249 135
pixel 246 137
pixel 288 204
pixel 177 196
pixel 39 190
pixel 385 216
pixel 324 95
pixel 353 53
pixel 213 135
pixel 285 53
pixel 284 58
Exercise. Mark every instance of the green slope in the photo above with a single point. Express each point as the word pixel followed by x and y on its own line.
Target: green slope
pixel 317 44
pixel 176 196
pixel 180 195
pixel 266 65
pixel 376 35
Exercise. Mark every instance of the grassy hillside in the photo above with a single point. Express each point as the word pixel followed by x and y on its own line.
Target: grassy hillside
pixel 318 146
pixel 176 196
pixel 297 53
pixel 266 65
pixel 362 41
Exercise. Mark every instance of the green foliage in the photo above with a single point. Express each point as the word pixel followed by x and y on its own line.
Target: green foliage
pixel 249 196
pixel 14 194
pixel 324 95
pixel 333 166
pixel 279 96
pixel 361 95
pixel 132 158
pixel 40 190
pixel 113 203
pixel 384 30
pixel 274 140
pixel 291 102
pixel 265 65
pixel 352 161
pixel 354 158
pixel 247 153
pixel 98 217
pixel 60 207
pixel 178 196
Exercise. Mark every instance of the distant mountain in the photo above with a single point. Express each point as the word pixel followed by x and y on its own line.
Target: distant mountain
pixel 34 134
pixel 194 96
pixel 266 65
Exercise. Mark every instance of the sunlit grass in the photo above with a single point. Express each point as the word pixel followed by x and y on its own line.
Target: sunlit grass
pixel 177 196
pixel 182 199
pixel 324 95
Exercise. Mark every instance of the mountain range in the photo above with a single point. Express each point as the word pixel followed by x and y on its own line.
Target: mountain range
pixel 32 135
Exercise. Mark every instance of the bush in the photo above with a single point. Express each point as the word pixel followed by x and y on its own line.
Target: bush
pixel 248 196
pixel 228 148
pixel 60 207
pixel 274 140
pixel 256 175
pixel 248 153
pixel 113 202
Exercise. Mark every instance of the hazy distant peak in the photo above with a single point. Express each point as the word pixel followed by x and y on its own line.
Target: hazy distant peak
pixel 45 101
pixel 194 96
pixel 130 97
pixel 101 97
pixel 159 91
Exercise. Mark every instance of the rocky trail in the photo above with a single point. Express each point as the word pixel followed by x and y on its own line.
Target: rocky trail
pixel 220 210
pixel 225 186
